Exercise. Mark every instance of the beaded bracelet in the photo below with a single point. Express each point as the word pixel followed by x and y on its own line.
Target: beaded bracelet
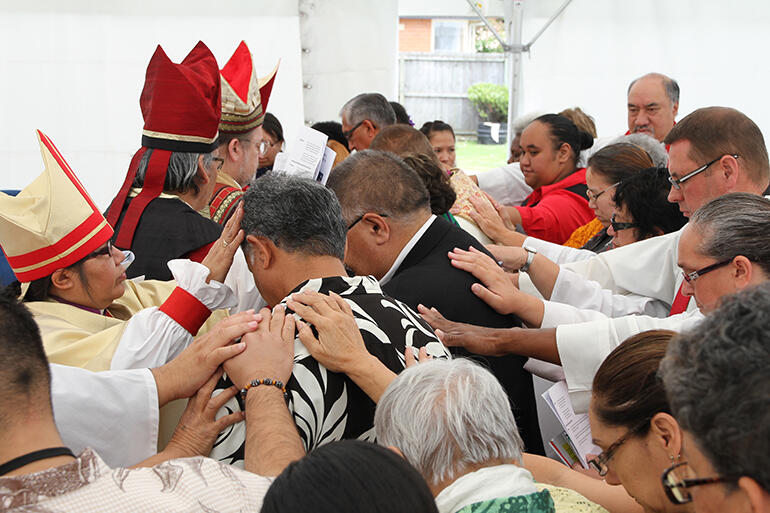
pixel 264 381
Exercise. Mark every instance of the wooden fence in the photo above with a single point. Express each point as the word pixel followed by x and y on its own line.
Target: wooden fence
pixel 435 86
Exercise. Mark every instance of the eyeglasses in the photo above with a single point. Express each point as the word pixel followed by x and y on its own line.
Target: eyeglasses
pixel 691 277
pixel 595 196
pixel 265 145
pixel 676 183
pixel 102 251
pixel 599 464
pixel 621 226
pixel 351 225
pixel 348 133
pixel 220 160
pixel 676 485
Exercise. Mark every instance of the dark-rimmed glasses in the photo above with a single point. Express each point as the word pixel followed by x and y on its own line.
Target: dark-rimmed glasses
pixel 691 277
pixel 599 464
pixel 676 183
pixel 102 251
pixel 348 133
pixel 621 226
pixel 676 486
pixel 220 160
pixel 351 225
pixel 594 197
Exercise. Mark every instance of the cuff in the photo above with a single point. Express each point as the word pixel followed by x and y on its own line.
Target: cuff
pixel 191 276
pixel 185 310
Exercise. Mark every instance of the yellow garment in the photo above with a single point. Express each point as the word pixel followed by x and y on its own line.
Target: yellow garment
pixel 583 234
pixel 226 179
pixel 570 501
pixel 73 336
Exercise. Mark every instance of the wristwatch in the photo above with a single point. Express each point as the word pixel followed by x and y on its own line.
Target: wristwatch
pixel 531 252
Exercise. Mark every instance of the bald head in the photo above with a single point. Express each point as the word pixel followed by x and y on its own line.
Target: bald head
pixel 402 140
pixel 653 103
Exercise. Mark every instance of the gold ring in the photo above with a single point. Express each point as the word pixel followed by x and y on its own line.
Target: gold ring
pixel 225 243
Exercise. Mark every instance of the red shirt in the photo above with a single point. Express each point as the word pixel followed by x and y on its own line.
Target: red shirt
pixel 552 213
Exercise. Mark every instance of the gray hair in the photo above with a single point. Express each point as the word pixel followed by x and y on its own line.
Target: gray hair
pixel 735 224
pixel 717 382
pixel 445 415
pixel 654 148
pixel 296 214
pixel 670 86
pixel 181 171
pixel 372 106
pixel 379 182
pixel 522 122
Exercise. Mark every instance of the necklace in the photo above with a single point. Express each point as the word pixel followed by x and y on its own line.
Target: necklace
pixel 31 457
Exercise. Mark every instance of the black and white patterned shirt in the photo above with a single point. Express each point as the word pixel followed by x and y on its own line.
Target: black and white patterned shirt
pixel 327 406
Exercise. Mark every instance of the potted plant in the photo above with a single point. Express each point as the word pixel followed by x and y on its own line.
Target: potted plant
pixel 491 103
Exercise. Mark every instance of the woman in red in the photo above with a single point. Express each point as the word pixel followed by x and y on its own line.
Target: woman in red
pixel 558 204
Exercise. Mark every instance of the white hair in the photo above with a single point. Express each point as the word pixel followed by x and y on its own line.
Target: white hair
pixel 445 415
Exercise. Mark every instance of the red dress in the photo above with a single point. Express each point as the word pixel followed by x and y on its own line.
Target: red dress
pixel 553 212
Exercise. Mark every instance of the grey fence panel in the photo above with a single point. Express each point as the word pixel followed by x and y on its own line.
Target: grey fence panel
pixel 435 86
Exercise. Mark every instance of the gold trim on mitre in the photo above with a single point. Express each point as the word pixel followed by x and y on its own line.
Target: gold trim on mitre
pixel 178 137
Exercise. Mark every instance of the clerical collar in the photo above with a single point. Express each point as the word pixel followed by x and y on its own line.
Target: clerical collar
pixel 82 307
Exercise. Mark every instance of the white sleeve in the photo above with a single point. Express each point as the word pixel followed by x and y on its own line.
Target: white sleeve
pixel 241 282
pixel 646 268
pixel 582 347
pixel 115 412
pixel 506 184
pixel 151 337
pixel 557 253
pixel 572 289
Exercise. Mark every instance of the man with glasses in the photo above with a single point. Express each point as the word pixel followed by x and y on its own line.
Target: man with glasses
pixel 724 248
pixel 172 176
pixel 717 381
pixel 393 236
pixel 241 143
pixel 363 117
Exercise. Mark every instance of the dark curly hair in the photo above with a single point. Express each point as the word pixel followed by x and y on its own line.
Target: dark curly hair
pixel 442 196
pixel 645 195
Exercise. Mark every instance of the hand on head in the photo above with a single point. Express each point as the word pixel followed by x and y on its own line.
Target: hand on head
pixel 220 256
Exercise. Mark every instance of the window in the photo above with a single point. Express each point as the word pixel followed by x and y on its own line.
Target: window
pixel 448 35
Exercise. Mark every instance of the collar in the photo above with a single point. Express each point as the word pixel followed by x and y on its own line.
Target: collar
pixel 226 179
pixel 67 478
pixel 82 307
pixel 579 176
pixel 485 484
pixel 405 251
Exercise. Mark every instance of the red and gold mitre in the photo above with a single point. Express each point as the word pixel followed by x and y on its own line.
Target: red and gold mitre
pixel 181 106
pixel 244 97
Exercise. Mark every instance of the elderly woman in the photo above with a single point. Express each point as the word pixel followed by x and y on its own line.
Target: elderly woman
pixel 716 377
pixel 470 450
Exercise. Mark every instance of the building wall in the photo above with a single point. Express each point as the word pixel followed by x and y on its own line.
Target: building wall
pixel 414 35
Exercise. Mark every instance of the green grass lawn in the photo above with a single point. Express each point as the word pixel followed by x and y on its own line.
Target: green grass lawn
pixel 475 158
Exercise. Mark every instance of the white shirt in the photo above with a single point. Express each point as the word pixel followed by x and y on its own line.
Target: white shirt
pixel 506 184
pixel 405 251
pixel 115 412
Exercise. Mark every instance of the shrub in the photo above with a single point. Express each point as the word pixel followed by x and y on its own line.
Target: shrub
pixel 490 101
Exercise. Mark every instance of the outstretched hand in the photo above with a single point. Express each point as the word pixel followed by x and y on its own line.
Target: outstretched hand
pixel 220 256
pixel 339 346
pixel 198 428
pixel 476 339
pixel 496 288
pixel 185 374
pixel 269 350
